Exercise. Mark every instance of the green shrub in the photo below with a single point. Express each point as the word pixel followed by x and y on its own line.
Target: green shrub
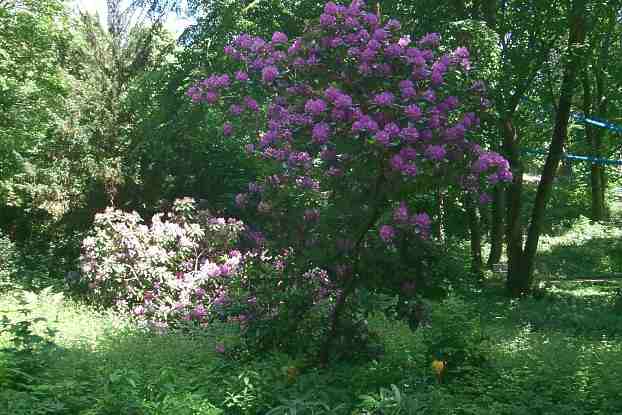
pixel 182 404
pixel 27 351
pixel 388 402
pixel 8 261
pixel 454 334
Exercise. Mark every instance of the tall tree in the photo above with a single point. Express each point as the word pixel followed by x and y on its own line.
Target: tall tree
pixel 521 265
pixel 115 56
pixel 34 92
pixel 526 46
pixel 596 79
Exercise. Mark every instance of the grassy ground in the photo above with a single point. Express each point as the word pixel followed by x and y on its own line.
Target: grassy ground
pixel 586 250
pixel 559 352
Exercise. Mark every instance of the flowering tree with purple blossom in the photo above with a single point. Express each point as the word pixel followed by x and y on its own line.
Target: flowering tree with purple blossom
pixel 356 119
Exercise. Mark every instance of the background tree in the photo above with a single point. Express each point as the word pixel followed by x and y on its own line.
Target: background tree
pixel 600 96
pixel 520 272
pixel 35 85
pixel 133 42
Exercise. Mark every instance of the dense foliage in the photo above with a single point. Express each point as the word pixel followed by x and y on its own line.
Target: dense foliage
pixel 8 265
pixel 99 364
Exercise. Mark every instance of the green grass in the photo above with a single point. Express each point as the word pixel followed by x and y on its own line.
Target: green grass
pixel 587 250
pixel 556 354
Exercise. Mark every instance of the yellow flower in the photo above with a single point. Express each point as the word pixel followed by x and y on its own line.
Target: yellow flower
pixel 439 367
pixel 292 373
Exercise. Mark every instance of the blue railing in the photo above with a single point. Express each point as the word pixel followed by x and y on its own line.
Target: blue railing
pixel 593 160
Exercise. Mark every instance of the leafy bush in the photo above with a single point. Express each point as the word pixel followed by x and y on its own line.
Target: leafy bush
pixel 304 405
pixel 454 334
pixel 183 267
pixel 182 404
pixel 388 402
pixel 8 261
pixel 283 305
pixel 36 263
pixel 25 356
pixel 174 269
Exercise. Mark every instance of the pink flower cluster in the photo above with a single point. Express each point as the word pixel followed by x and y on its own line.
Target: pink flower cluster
pixel 174 269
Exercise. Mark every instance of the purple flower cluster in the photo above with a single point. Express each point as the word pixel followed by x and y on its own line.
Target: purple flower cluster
pixel 384 99
pixel 383 102
pixel 269 74
pixel 401 214
pixel 315 107
pixel 404 161
pixel 209 89
pixel 405 221
pixel 435 152
pixel 387 233
pixel 496 165
pixel 321 285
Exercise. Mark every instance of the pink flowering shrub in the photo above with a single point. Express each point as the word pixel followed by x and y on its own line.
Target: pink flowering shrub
pixel 176 268
pixel 355 121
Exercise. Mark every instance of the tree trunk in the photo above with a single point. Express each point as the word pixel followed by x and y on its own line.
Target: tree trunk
pixel 604 182
pixel 514 226
pixel 350 286
pixel 488 13
pixel 597 172
pixel 599 210
pixel 475 232
pixel 521 283
pixel 497 227
pixel 595 103
pixel 594 137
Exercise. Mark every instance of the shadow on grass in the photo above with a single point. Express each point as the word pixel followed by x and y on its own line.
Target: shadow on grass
pixel 586 308
pixel 598 257
pixel 127 372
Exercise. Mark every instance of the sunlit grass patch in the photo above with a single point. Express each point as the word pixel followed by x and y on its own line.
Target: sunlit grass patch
pixel 586 250
pixel 72 323
pixel 598 290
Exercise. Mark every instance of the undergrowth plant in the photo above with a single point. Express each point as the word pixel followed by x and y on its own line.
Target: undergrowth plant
pixel 8 261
